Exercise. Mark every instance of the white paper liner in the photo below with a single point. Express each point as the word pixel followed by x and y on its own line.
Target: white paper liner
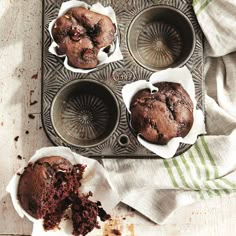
pixel 114 53
pixel 177 75
pixel 94 179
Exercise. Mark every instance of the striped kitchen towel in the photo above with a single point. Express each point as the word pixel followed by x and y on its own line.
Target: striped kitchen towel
pixel 156 187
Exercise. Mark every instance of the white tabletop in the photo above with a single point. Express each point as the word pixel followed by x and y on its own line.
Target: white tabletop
pixel 20 136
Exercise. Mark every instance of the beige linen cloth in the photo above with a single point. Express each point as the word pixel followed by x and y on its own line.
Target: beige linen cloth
pixel 157 187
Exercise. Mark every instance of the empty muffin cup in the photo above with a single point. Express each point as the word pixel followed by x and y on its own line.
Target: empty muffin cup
pixel 160 37
pixel 85 113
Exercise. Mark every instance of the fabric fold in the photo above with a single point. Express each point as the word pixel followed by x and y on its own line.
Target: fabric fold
pixel 157 187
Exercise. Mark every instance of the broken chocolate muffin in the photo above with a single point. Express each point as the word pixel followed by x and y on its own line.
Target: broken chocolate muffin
pixel 48 187
pixel 80 33
pixel 163 114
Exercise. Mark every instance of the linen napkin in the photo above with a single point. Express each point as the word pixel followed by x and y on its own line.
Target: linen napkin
pixel 157 187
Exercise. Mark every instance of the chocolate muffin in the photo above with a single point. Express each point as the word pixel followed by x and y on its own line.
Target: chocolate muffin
pixel 163 114
pixel 48 187
pixel 80 33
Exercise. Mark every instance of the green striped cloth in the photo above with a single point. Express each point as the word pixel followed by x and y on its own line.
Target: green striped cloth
pixel 200 5
pixel 208 169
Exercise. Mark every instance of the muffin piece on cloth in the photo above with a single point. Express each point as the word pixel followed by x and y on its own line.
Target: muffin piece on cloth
pixel 48 187
pixel 44 184
pixel 163 114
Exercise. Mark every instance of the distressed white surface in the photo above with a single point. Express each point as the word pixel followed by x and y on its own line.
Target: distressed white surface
pixel 20 59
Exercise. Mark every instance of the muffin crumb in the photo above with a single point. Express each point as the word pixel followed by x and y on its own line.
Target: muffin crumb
pixel 19 157
pixel 31 116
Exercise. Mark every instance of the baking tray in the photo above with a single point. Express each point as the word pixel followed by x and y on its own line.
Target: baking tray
pixel 121 142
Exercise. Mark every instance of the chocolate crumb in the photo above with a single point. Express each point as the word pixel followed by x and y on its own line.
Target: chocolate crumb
pixel 29 165
pixel 33 103
pixel 35 76
pixel 116 232
pixel 124 218
pixel 31 116
pixel 16 138
pixel 4 202
pixel 40 127
pixel 66 217
pixel 18 173
pixel 102 213
pixel 19 157
pixel 26 132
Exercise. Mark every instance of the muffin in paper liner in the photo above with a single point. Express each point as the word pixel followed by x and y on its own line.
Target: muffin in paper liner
pixel 178 75
pixel 94 179
pixel 114 53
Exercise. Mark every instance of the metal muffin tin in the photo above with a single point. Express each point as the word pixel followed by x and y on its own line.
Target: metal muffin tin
pixel 85 111
pixel 160 37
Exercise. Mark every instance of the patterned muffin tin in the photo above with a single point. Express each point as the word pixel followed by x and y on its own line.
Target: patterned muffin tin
pixel 85 112
pixel 103 131
pixel 160 37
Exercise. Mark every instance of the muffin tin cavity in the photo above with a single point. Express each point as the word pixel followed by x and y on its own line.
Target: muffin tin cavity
pixel 160 37
pixel 85 113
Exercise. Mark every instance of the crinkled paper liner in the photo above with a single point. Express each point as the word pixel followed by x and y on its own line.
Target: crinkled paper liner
pixel 114 53
pixel 94 179
pixel 177 75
